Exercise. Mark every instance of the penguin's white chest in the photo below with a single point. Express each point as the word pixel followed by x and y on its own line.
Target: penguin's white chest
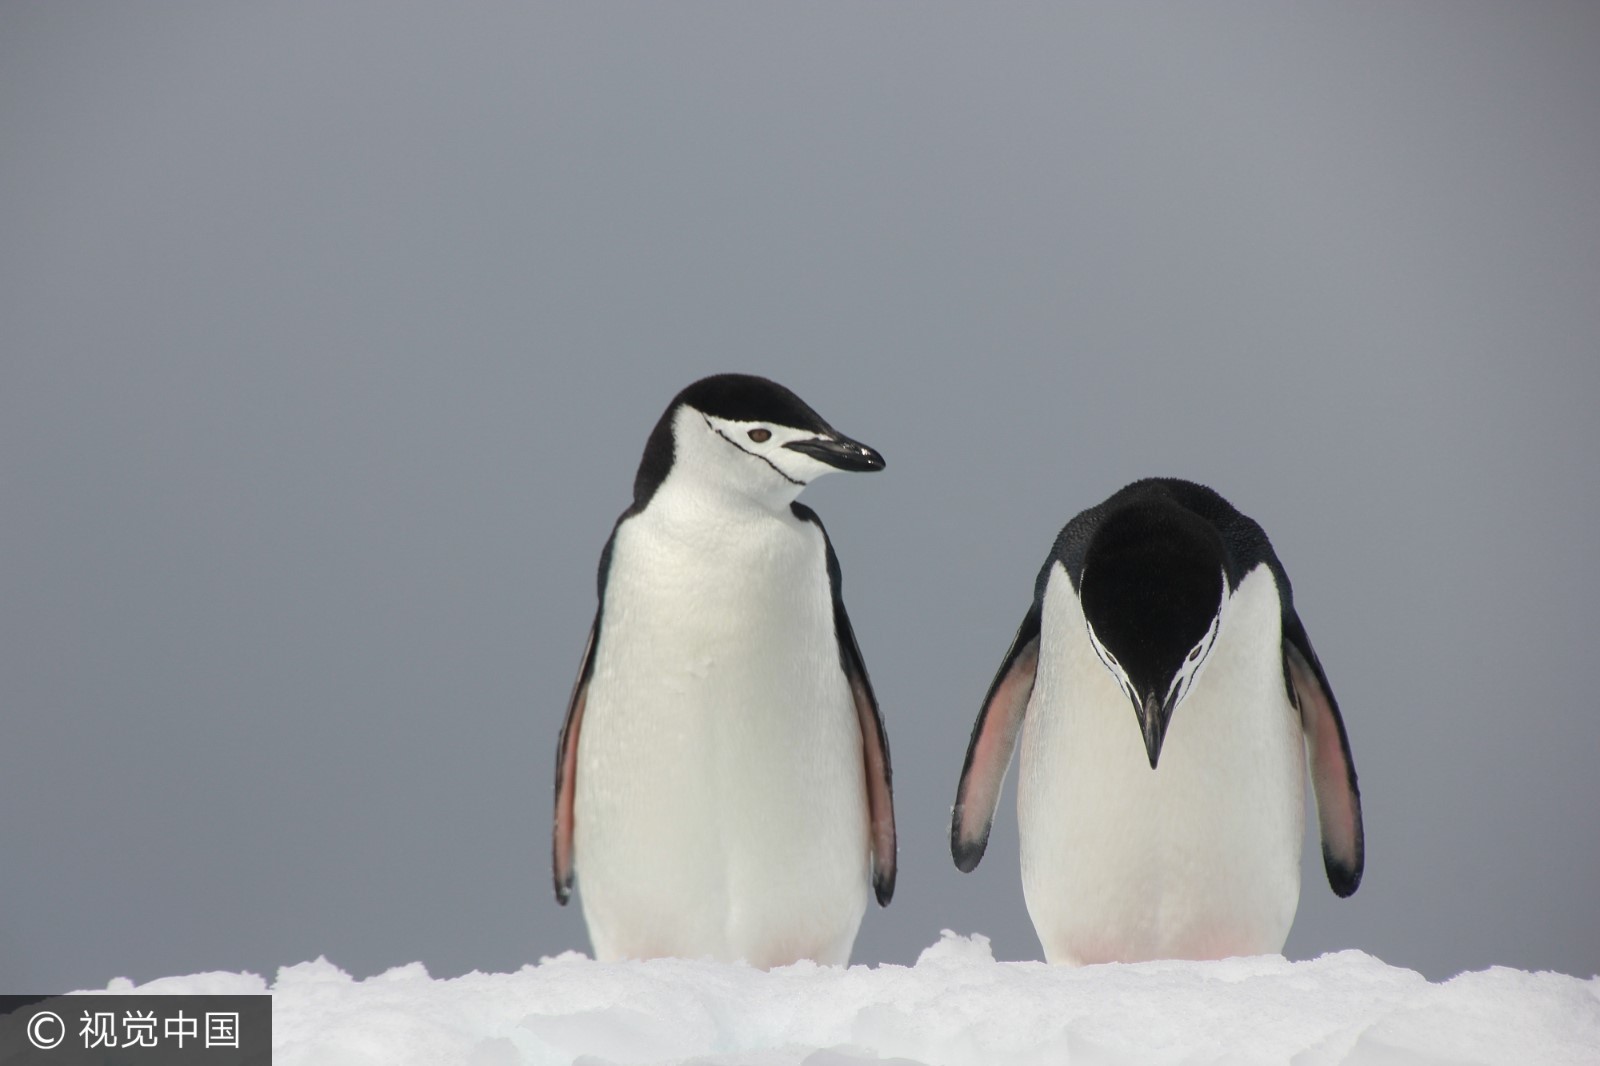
pixel 720 801
pixel 1198 858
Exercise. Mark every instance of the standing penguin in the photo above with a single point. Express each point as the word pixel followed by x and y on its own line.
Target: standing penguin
pixel 722 779
pixel 1174 832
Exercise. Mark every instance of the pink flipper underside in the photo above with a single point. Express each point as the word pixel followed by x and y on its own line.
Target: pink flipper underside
pixel 991 752
pixel 1338 804
pixel 567 779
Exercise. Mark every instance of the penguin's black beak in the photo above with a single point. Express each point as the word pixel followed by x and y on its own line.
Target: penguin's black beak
pixel 840 452
pixel 1154 715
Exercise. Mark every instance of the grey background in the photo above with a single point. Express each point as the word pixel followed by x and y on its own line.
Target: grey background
pixel 330 336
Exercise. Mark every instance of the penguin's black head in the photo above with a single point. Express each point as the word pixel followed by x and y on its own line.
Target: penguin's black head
pixel 1152 591
pixel 748 432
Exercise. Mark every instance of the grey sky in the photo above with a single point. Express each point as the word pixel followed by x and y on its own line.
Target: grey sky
pixel 330 336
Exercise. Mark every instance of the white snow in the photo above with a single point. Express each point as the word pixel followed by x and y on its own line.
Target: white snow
pixel 957 1005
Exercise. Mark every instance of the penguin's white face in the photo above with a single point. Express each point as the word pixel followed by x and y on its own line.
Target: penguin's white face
pixel 736 437
pixel 768 443
pixel 1188 671
pixel 1198 655
pixel 764 460
pixel 1111 663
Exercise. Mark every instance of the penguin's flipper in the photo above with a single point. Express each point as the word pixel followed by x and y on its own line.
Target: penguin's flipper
pixel 875 757
pixel 994 737
pixel 1333 772
pixel 874 742
pixel 567 772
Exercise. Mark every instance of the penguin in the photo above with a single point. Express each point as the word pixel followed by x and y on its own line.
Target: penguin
pixel 722 777
pixel 1174 832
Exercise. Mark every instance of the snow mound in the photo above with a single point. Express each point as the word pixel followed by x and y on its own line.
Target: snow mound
pixel 956 1006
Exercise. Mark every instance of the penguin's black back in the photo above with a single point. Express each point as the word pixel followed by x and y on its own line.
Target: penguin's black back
pixel 1245 543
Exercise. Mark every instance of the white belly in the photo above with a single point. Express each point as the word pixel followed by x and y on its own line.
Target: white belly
pixel 720 796
pixel 1199 858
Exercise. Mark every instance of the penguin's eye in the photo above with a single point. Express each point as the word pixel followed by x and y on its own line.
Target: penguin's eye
pixel 1195 654
pixel 760 436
